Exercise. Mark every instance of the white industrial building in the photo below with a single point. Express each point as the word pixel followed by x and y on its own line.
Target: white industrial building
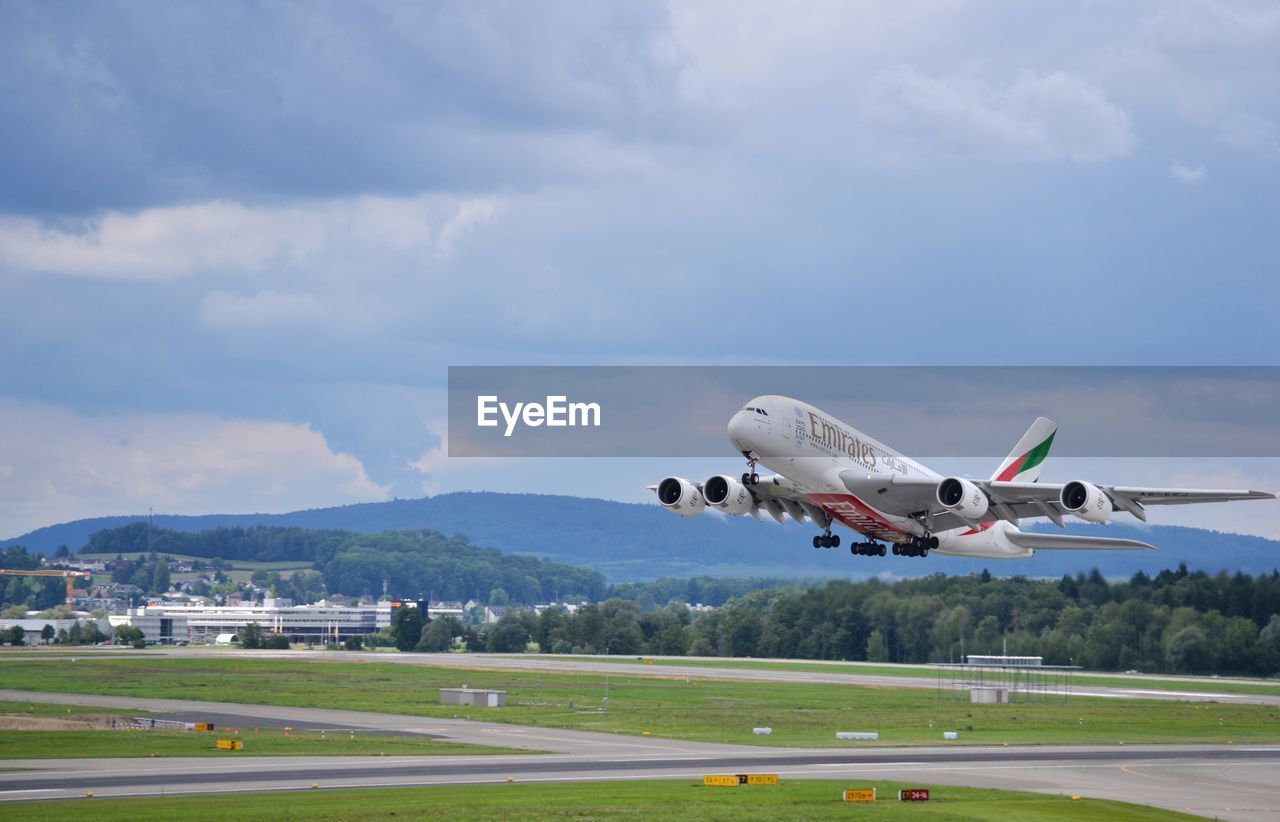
pixel 170 624
pixel 201 624
pixel 33 626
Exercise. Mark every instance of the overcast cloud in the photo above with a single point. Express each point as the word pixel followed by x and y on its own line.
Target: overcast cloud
pixel 230 224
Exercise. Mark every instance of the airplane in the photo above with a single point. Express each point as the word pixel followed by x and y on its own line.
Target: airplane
pixel 828 472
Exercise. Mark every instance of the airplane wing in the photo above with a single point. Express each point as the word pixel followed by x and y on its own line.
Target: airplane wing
pixel 1066 542
pixel 1012 501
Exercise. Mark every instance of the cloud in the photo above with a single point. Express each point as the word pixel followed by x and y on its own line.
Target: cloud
pixel 470 216
pixel 220 236
pixel 1188 174
pixel 120 107
pixel 1053 117
pixel 264 309
pixel 57 465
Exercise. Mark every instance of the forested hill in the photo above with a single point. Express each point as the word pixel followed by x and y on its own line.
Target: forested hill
pixel 636 541
pixel 412 563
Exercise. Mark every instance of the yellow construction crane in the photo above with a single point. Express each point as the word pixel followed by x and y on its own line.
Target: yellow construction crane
pixel 49 572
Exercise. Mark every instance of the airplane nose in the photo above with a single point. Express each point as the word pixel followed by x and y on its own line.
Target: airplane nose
pixel 739 429
pixel 744 430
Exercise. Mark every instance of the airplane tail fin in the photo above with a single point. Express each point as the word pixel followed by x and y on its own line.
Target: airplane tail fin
pixel 1024 462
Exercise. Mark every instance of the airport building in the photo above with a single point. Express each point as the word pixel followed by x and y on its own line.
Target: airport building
pixel 170 624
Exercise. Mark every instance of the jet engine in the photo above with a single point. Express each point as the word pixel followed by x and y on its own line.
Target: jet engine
pixel 1086 501
pixel 727 494
pixel 681 496
pixel 963 498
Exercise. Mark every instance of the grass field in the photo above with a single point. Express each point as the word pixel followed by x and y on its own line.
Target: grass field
pixel 99 742
pixel 1082 679
pixel 267 742
pixel 667 800
pixel 41 709
pixel 716 711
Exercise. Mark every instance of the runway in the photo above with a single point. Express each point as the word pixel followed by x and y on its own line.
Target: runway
pixel 1225 781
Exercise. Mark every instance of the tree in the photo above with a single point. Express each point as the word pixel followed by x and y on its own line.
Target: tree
pixel 877 648
pixel 498 596
pixel 160 577
pixel 473 639
pixel 353 643
pixel 1267 648
pixel 406 627
pixel 47 633
pixel 128 634
pixel 740 631
pixel 276 642
pixel 85 633
pixel 438 636
pixel 508 636
pixel 16 635
pixel 251 636
pixel 17 611
pixel 1189 650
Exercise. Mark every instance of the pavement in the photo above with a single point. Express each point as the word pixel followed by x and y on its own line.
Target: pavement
pixel 1224 781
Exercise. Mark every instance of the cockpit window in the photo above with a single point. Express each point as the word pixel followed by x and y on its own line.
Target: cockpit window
pixel 748 408
pixel 762 411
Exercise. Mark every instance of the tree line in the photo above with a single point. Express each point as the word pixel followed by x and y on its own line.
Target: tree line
pixel 1175 622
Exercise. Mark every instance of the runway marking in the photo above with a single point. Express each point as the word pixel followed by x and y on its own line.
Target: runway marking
pixel 1126 768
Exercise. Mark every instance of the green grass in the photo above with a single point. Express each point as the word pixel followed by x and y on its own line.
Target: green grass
pixel 667 800
pixel 42 709
pixel 267 742
pixel 69 744
pixel 1081 678
pixel 697 709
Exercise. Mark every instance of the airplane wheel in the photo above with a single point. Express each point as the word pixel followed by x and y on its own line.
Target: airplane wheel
pixel 897 549
pixel 755 479
pixel 817 542
pixel 835 540
pixel 932 544
pixel 746 478
pixel 882 551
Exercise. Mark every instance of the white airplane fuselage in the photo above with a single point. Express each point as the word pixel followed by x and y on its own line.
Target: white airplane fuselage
pixel 810 449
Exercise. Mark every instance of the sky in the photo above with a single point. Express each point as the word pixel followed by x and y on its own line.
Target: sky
pixel 241 243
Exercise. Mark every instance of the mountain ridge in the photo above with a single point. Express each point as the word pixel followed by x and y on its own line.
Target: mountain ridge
pixel 631 541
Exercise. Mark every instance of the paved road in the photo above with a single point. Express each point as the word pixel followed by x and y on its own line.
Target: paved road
pixel 1229 782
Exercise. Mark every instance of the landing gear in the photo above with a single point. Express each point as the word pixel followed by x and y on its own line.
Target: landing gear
pixel 750 477
pixel 870 548
pixel 826 540
pixel 916 547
